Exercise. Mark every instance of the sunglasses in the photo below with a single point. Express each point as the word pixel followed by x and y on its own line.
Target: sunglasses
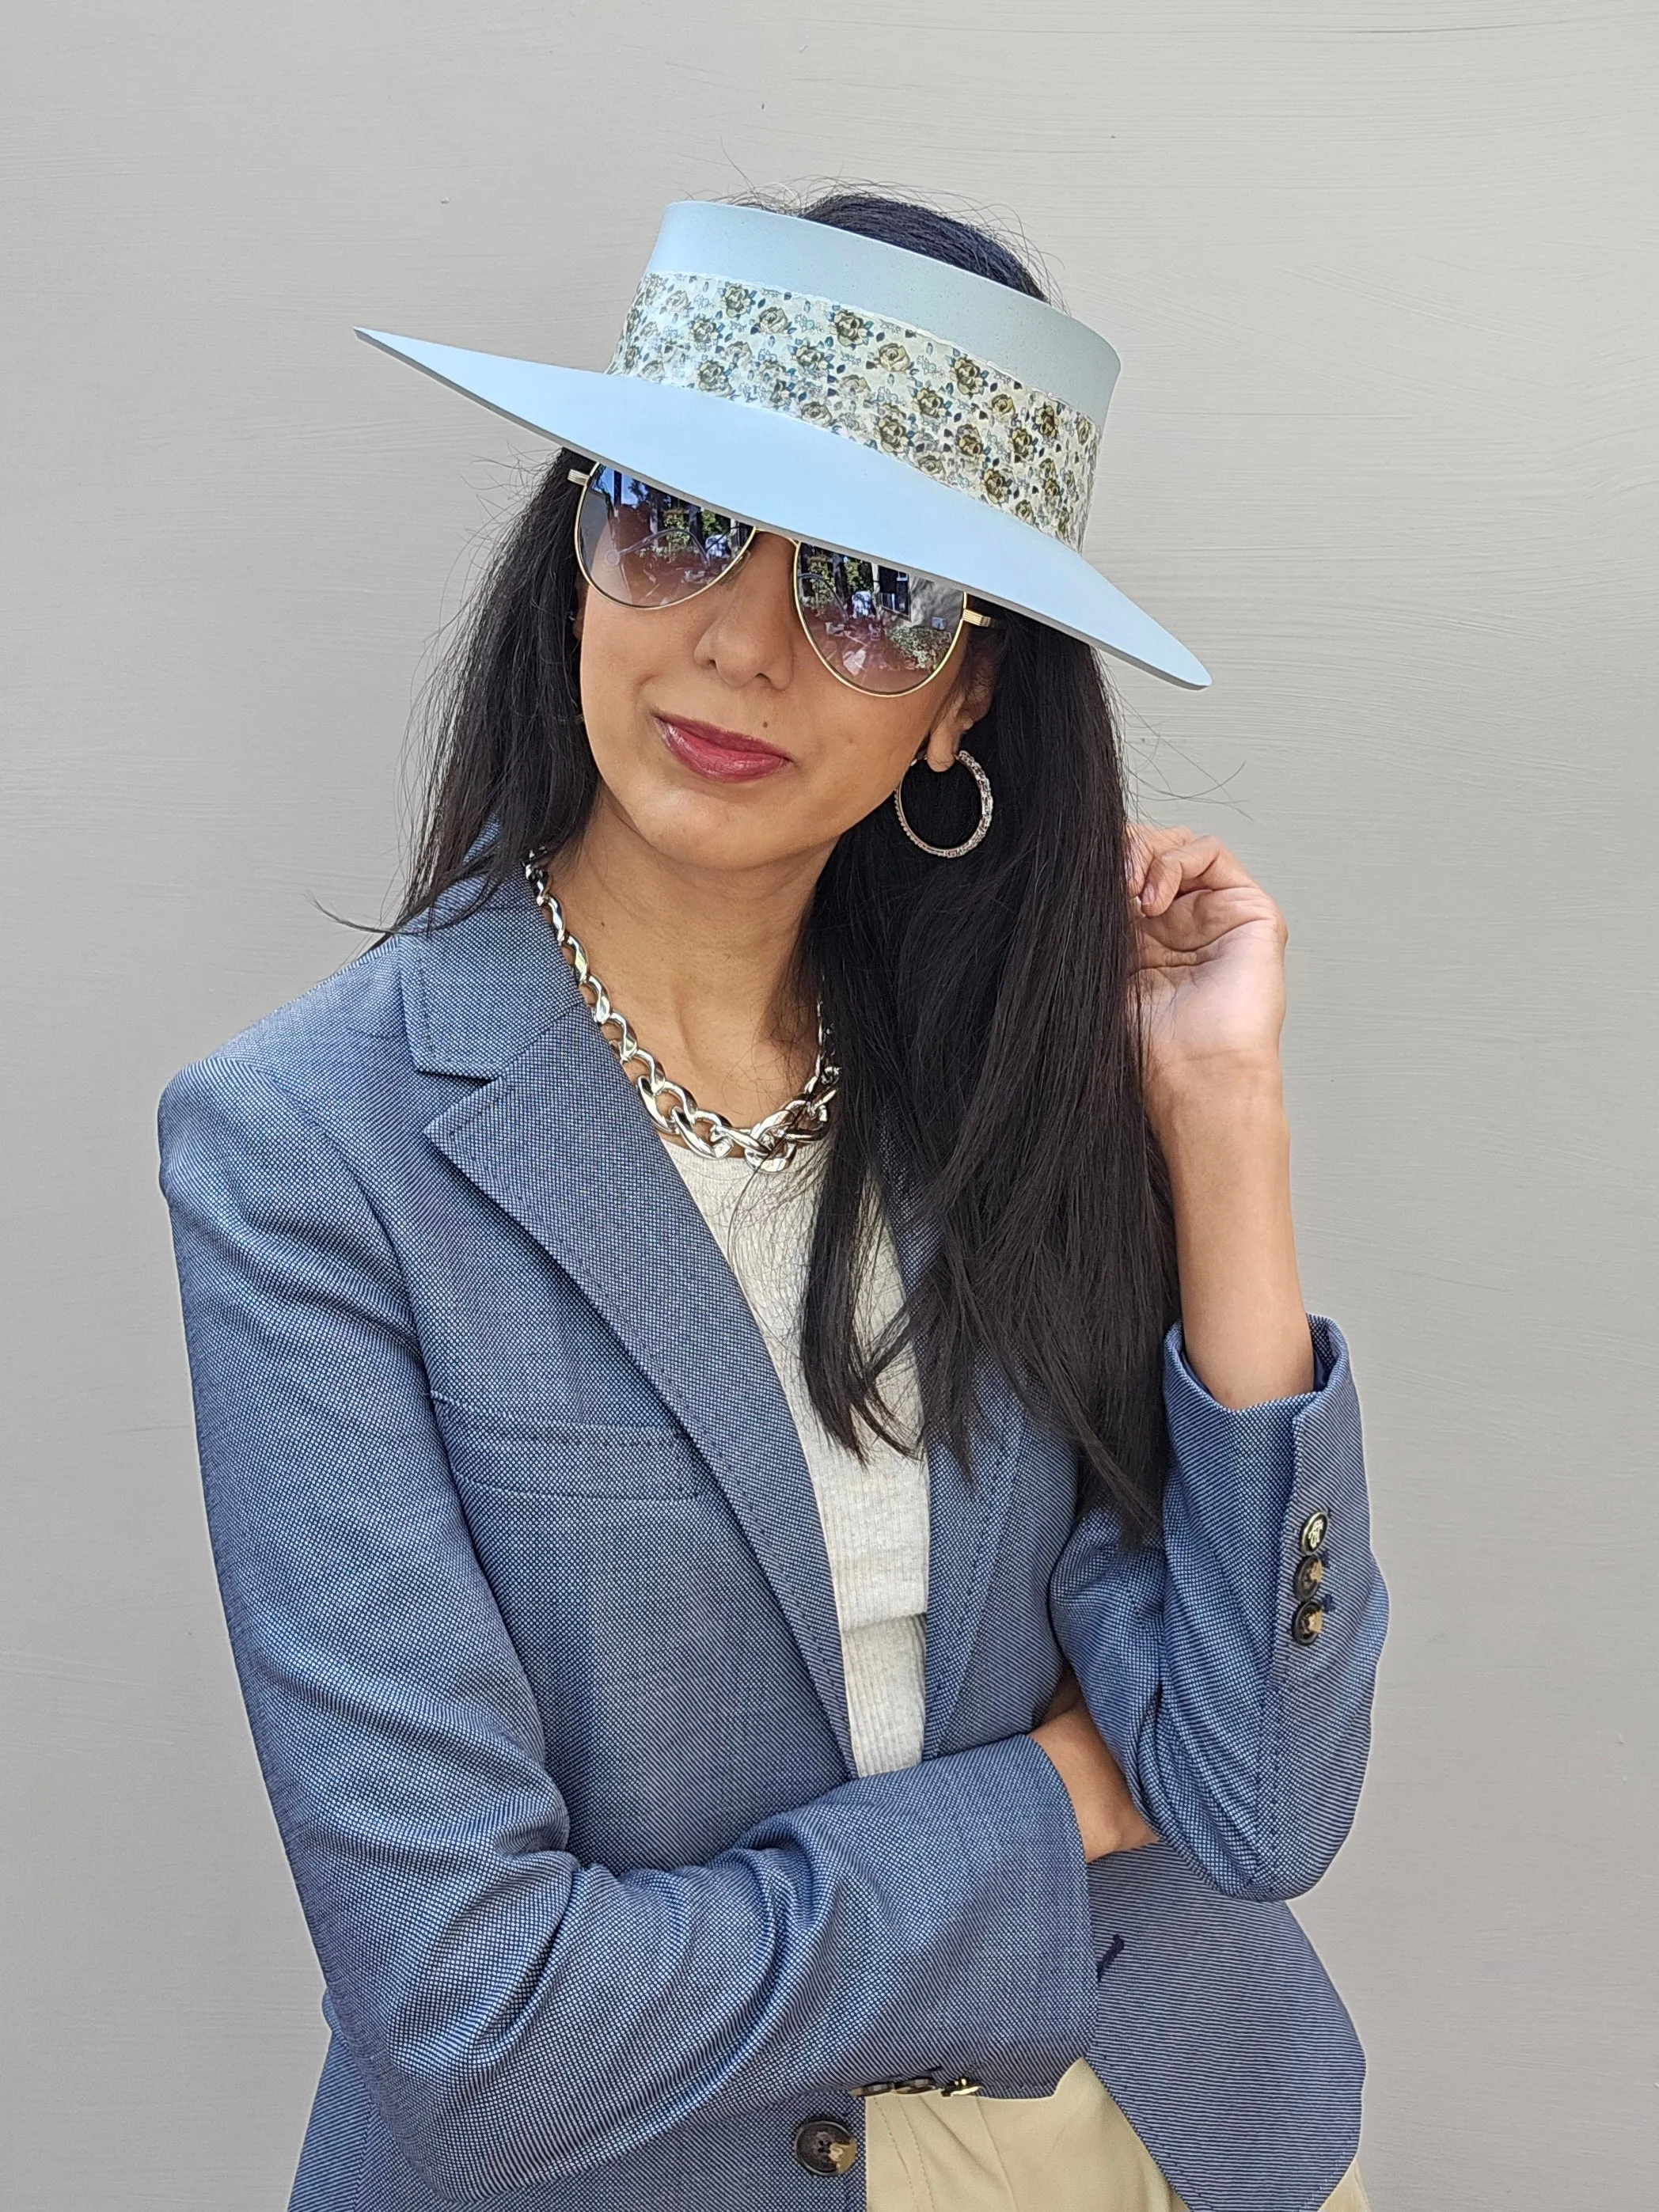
pixel 876 629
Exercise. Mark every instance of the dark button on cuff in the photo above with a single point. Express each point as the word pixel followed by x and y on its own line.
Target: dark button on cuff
pixel 875 2089
pixel 1310 1574
pixel 1310 1620
pixel 916 2086
pixel 823 2146
pixel 1313 1531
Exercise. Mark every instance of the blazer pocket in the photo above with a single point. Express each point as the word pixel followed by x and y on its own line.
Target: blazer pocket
pixel 569 1459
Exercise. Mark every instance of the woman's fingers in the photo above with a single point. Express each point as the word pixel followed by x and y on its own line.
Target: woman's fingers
pixel 1151 852
pixel 1143 842
pixel 1161 863
pixel 1180 868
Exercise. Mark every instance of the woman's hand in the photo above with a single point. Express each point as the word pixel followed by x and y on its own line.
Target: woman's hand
pixel 1209 978
pixel 1209 971
pixel 1106 1815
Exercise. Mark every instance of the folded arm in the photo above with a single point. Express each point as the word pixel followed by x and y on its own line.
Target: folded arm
pixel 1230 1667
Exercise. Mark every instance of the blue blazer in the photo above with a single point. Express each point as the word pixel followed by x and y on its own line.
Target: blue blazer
pixel 531 1609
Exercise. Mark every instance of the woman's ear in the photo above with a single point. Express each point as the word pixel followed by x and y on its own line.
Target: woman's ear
pixel 979 679
pixel 968 701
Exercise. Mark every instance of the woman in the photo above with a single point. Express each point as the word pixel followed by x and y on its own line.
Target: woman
pixel 802 1613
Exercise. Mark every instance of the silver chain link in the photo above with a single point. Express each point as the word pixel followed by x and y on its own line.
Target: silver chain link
pixel 770 1144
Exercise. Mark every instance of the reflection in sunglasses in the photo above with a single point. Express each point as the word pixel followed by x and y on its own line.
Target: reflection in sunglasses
pixel 879 629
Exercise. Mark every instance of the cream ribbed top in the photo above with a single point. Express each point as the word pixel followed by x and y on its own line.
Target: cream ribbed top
pixel 875 1513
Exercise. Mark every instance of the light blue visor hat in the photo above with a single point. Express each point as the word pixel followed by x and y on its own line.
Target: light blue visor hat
pixel 854 395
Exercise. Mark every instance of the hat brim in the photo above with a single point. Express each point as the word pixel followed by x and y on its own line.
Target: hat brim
pixel 781 474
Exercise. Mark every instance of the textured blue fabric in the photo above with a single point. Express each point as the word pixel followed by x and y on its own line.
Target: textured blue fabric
pixel 531 1609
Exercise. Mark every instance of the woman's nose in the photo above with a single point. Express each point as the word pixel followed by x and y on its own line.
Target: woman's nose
pixel 752 629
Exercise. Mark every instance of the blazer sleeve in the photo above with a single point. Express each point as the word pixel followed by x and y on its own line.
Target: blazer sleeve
pixel 521 2016
pixel 1237 1702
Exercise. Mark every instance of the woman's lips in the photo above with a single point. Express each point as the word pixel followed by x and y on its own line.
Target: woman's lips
pixel 721 754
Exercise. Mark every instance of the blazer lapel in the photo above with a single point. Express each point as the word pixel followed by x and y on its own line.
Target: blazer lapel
pixel 559 1141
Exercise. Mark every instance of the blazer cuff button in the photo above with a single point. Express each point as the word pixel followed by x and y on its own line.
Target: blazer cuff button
pixel 1309 1573
pixel 1310 1620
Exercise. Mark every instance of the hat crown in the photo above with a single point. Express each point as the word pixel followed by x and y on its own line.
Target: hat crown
pixel 1040 344
pixel 950 374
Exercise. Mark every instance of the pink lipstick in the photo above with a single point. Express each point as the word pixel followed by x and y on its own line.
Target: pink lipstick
pixel 721 754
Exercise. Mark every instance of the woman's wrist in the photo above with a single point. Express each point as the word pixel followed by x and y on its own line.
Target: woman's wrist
pixel 1197 1107
pixel 1226 1139
pixel 1105 1813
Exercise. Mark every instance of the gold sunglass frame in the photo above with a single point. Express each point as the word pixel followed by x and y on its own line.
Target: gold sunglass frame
pixel 971 617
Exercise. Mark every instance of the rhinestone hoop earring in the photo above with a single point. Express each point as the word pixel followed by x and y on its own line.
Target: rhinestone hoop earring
pixel 950 852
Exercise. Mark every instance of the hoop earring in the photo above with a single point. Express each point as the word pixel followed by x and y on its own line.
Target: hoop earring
pixel 950 852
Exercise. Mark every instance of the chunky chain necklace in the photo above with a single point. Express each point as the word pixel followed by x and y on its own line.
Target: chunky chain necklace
pixel 770 1144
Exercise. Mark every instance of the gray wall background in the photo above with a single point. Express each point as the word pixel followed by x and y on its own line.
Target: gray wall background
pixel 1384 451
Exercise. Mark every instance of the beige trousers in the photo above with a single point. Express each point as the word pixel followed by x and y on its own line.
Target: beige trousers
pixel 1072 2152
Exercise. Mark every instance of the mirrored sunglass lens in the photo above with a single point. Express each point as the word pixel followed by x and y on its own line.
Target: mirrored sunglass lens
pixel 884 629
pixel 648 548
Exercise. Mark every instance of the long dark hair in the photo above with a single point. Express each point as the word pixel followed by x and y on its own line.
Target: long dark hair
pixel 981 1008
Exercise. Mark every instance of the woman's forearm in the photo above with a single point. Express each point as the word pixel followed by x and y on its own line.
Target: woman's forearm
pixel 1243 1326
pixel 1245 1331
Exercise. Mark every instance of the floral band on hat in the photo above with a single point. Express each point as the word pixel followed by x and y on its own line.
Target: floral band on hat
pixel 899 390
